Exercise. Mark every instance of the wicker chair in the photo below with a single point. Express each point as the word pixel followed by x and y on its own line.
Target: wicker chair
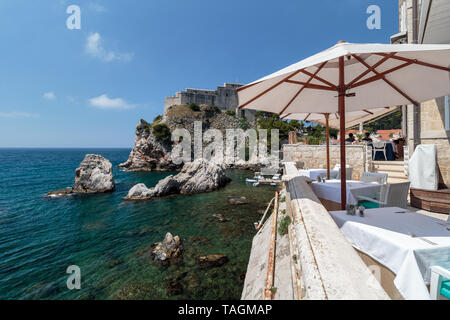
pixel 391 195
pixel 380 178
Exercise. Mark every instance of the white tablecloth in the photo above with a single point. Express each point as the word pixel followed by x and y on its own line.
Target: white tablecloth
pixel 314 173
pixel 384 235
pixel 331 190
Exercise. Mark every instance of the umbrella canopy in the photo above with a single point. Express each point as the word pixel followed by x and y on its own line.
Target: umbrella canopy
pixel 351 118
pixel 332 120
pixel 376 75
pixel 353 77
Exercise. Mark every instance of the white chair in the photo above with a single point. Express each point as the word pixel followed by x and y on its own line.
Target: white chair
pixel 333 175
pixel 379 146
pixel 391 195
pixel 338 166
pixel 380 178
pixel 440 283
pixel 348 171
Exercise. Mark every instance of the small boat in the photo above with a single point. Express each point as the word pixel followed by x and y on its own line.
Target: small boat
pixel 251 180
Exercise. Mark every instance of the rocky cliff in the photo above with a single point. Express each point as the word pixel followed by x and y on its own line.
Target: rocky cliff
pixel 153 147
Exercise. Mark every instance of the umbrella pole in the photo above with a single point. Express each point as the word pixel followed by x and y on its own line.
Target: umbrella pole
pixel 327 132
pixel 341 91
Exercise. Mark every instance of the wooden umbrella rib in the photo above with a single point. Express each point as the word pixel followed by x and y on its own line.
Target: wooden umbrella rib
pixel 371 68
pixel 307 116
pixel 368 111
pixel 292 100
pixel 311 85
pixel 315 76
pixel 247 86
pixel 386 80
pixel 378 77
pixel 302 88
pixel 286 116
pixel 425 64
pixel 269 89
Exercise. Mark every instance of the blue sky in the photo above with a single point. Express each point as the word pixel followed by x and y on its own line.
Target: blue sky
pixel 89 87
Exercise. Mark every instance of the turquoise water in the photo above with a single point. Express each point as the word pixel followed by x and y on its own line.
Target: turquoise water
pixel 109 238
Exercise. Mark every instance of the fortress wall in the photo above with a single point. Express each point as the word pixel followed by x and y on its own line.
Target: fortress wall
pixel 225 97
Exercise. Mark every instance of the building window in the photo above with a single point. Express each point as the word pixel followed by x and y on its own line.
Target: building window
pixel 447 113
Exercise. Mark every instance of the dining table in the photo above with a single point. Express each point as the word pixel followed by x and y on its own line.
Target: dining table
pixel 405 242
pixel 314 173
pixel 329 192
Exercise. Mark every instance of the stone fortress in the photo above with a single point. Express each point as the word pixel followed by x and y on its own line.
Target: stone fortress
pixel 224 97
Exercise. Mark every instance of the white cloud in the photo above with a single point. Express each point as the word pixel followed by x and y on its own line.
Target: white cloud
pixel 94 48
pixel 104 102
pixel 16 114
pixel 49 95
pixel 93 6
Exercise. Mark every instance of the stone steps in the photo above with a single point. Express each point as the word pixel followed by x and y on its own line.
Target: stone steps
pixel 394 169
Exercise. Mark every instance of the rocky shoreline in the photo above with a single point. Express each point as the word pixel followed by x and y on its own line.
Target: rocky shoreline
pixel 196 177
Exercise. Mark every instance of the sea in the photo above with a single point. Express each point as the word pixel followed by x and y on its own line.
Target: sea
pixel 108 240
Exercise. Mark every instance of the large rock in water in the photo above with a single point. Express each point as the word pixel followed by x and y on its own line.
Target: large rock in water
pixel 201 176
pixel 94 174
pixel 195 177
pixel 169 249
pixel 139 192
pixel 212 260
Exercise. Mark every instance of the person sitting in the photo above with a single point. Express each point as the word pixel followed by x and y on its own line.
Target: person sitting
pixel 351 138
pixel 367 137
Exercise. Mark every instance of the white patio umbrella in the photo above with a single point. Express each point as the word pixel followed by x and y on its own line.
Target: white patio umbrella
pixel 352 118
pixel 332 120
pixel 353 77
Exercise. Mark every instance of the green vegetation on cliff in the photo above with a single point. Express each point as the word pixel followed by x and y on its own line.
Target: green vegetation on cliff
pixel 194 107
pixel 161 132
pixel 269 121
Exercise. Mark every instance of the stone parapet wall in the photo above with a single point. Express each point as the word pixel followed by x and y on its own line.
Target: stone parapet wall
pixel 326 263
pixel 315 156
